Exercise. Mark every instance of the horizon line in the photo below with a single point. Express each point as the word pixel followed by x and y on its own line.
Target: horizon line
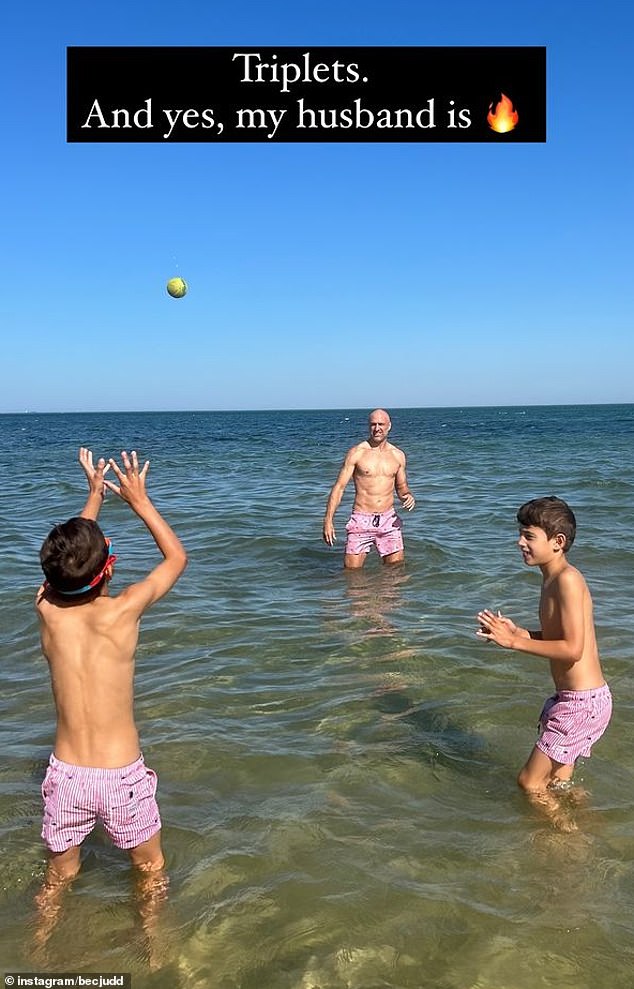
pixel 342 408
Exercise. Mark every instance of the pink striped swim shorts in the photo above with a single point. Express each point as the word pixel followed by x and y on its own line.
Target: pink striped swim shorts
pixel 382 530
pixel 572 721
pixel 76 797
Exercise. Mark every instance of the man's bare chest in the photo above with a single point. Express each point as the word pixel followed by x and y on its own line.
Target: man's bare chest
pixel 377 465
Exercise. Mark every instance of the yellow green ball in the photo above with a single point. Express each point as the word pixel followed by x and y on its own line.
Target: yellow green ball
pixel 177 288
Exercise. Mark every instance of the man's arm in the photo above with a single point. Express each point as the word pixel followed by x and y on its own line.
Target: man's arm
pixel 402 487
pixel 96 484
pixel 568 649
pixel 336 494
pixel 158 582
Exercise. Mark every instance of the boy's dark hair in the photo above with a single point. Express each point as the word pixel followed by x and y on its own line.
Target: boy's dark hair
pixel 72 554
pixel 552 515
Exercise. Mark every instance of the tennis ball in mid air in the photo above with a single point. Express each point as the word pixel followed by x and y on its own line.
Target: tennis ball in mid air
pixel 177 288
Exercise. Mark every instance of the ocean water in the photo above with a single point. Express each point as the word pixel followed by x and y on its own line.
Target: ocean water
pixel 336 752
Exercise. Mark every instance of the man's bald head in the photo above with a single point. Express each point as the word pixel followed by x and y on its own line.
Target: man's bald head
pixel 379 423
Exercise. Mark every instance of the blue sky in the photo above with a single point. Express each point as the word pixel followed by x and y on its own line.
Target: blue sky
pixel 321 276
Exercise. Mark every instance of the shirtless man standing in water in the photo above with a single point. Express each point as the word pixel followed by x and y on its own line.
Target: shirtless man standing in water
pixel 378 469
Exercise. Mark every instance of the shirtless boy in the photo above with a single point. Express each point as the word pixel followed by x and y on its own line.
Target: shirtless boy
pixel 377 468
pixel 89 639
pixel 579 713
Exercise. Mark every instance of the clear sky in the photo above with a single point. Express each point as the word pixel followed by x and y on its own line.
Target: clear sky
pixel 341 275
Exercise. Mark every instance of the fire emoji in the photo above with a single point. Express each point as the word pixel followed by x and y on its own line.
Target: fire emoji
pixel 505 117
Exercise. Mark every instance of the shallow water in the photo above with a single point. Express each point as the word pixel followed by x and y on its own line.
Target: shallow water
pixel 336 752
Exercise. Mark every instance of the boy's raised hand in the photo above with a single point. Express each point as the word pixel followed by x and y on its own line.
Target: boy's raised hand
pixel 132 490
pixel 94 474
pixel 131 480
pixel 96 483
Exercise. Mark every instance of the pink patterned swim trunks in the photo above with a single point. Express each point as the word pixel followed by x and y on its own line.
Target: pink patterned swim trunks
pixel 382 530
pixel 75 797
pixel 572 721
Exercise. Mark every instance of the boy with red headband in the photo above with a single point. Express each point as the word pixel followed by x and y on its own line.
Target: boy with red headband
pixel 96 771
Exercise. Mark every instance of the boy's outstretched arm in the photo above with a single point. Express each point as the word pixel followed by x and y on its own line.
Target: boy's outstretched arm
pixel 96 484
pixel 568 649
pixel 486 618
pixel 131 489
